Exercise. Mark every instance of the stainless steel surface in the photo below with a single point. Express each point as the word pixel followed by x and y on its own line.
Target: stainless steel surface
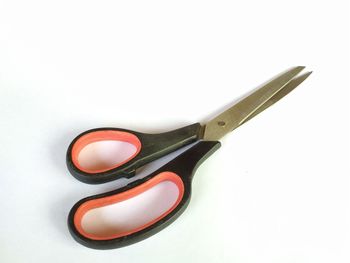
pixel 253 104
pixel 279 95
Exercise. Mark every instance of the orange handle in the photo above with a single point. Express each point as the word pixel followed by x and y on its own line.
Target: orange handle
pixel 103 135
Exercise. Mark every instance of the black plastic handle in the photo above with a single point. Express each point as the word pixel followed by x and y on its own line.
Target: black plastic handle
pixel 180 170
pixel 149 147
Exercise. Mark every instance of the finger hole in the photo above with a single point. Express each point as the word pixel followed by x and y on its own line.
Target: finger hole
pixel 104 150
pixel 130 211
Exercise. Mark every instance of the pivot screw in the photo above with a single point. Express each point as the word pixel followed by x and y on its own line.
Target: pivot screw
pixel 221 123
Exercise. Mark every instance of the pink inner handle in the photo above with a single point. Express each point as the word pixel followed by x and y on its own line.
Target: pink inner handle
pixel 103 135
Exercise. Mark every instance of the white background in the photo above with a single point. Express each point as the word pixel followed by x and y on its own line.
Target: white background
pixel 276 191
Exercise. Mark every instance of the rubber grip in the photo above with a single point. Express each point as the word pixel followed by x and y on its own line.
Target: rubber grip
pixel 179 171
pixel 149 147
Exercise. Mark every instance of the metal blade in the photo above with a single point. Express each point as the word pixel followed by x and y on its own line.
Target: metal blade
pixel 279 95
pixel 244 109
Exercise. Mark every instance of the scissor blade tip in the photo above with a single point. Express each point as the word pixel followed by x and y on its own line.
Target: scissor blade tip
pixel 306 74
pixel 296 70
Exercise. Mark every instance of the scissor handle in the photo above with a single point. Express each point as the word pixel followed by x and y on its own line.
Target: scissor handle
pixel 179 171
pixel 148 148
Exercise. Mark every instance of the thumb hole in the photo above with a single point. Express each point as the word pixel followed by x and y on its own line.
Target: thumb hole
pixel 103 155
pixel 102 150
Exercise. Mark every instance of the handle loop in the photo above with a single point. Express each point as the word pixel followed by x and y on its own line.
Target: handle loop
pixel 148 148
pixel 103 135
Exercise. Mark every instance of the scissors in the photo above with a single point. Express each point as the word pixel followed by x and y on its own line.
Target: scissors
pixel 150 147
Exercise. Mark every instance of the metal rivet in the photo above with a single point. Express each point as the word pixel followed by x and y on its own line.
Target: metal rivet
pixel 221 123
